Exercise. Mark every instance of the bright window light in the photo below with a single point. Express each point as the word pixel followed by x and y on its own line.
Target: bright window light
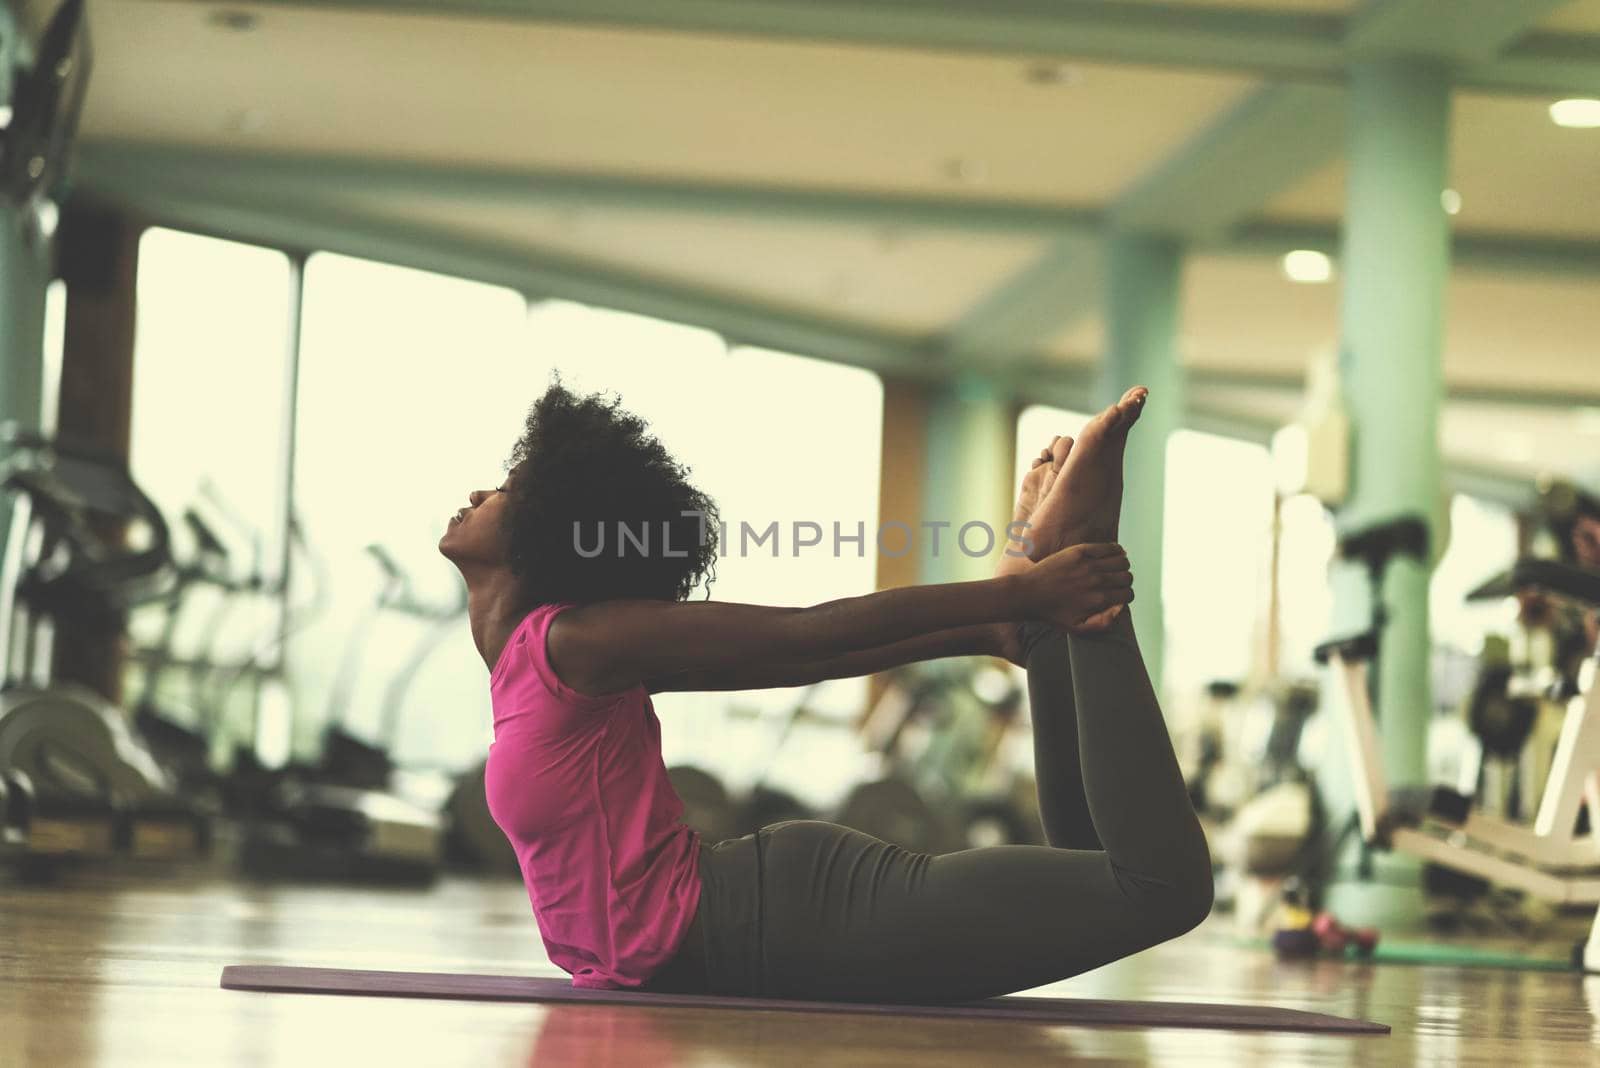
pixel 1036 425
pixel 1215 544
pixel 1308 266
pixel 210 397
pixel 1482 541
pixel 1578 113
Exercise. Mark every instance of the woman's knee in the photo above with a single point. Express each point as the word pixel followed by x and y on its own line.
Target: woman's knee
pixel 1175 902
pixel 1193 901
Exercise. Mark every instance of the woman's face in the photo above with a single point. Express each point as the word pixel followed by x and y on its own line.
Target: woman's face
pixel 473 535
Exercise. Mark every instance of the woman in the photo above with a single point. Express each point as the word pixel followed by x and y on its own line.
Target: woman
pixel 576 639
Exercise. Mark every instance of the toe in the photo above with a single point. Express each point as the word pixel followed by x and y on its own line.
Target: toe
pixel 1059 449
pixel 1131 405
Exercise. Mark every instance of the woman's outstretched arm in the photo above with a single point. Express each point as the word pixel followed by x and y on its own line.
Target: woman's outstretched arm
pixel 614 645
pixel 982 639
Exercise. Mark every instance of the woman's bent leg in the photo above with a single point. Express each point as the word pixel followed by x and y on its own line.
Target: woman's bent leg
pixel 848 916
pixel 1057 771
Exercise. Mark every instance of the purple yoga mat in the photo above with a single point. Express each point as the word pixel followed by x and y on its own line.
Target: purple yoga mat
pixel 1076 1012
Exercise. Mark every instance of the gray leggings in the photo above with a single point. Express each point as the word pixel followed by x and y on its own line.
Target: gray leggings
pixel 814 910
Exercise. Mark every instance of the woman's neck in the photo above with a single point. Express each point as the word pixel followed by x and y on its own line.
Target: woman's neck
pixel 494 609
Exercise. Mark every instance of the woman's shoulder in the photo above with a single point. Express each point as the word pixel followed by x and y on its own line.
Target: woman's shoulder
pixel 518 644
pixel 526 657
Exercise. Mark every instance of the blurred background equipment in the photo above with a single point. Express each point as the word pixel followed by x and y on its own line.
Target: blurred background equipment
pixel 1555 857
pixel 83 782
pixel 350 815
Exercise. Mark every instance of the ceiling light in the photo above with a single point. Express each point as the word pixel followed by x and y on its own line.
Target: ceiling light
pixel 236 21
pixel 1451 201
pixel 1579 113
pixel 890 238
pixel 970 171
pixel 245 120
pixel 47 217
pixel 1047 72
pixel 1307 265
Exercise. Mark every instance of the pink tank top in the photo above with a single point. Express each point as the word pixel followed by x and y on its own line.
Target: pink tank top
pixel 578 786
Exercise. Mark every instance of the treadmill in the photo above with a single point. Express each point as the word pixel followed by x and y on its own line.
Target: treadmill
pixel 342 817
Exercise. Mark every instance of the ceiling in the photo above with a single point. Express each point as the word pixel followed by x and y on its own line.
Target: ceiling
pixel 361 90
pixel 1514 168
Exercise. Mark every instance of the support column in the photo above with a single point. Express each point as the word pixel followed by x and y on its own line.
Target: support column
pixel 1395 264
pixel 1143 286
pixel 24 278
pixel 949 459
pixel 99 262
pixel 903 469
pixel 948 455
pixel 970 442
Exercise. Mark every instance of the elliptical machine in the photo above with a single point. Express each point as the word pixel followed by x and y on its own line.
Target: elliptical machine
pixel 179 737
pixel 85 784
pixel 342 818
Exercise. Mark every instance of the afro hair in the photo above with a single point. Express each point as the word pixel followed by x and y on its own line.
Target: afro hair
pixel 598 510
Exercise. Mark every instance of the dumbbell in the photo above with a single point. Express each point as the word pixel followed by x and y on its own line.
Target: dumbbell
pixel 1333 937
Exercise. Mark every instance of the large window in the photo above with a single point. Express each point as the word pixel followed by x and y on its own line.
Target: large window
pixel 1306 542
pixel 773 438
pixel 412 387
pixel 1036 426
pixel 1218 515
pixel 209 407
pixel 1217 538
pixel 209 378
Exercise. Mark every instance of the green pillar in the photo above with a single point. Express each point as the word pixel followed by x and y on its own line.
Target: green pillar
pixel 971 447
pixel 1143 285
pixel 1395 263
pixel 24 278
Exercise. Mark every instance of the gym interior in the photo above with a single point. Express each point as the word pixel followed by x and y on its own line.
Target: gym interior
pixel 280 279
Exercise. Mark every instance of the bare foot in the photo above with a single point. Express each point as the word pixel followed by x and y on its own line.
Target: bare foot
pixel 1084 502
pixel 1035 485
pixel 1014 557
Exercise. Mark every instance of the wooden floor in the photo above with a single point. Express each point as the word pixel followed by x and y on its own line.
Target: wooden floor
pixel 123 971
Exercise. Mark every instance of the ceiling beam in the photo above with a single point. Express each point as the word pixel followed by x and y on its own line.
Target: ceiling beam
pixel 1540 63
pixel 1457 393
pixel 1487 252
pixel 1266 144
pixel 303 228
pixel 1283 46
pixel 1161 34
pixel 1057 289
pixel 1454 29
pixel 308 227
pixel 146 166
pixel 1229 170
pixel 120 171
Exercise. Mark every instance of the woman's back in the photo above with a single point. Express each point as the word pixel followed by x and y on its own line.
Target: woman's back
pixel 578 785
